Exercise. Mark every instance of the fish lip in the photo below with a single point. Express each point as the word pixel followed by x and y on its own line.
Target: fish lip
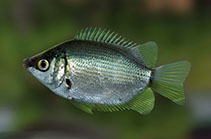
pixel 27 63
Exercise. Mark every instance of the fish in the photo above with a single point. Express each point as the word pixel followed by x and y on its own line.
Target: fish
pixel 99 70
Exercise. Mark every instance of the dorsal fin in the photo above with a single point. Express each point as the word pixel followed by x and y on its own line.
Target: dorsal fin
pixel 108 37
pixel 149 53
pixel 104 36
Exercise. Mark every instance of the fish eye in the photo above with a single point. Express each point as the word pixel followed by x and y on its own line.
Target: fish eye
pixel 43 64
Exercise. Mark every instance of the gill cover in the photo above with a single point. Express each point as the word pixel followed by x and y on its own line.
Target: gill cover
pixel 59 72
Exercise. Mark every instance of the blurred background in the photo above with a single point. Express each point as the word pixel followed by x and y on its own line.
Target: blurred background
pixel 28 110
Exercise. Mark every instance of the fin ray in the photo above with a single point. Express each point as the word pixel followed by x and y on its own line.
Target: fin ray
pixel 149 52
pixel 83 107
pixel 168 81
pixel 144 54
pixel 144 102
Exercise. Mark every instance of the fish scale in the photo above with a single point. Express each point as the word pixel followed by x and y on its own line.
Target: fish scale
pixel 123 74
pixel 103 69
pixel 105 64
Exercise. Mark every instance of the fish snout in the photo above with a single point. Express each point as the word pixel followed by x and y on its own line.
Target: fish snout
pixel 27 63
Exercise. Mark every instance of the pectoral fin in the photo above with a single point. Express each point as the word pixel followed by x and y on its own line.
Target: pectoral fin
pixel 83 107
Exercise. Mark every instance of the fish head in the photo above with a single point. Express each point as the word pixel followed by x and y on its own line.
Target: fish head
pixel 48 67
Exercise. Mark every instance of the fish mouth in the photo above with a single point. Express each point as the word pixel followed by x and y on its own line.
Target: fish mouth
pixel 27 63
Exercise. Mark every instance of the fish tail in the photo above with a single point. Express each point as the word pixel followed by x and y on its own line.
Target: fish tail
pixel 168 80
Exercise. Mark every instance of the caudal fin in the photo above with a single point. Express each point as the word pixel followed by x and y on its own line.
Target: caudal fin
pixel 168 80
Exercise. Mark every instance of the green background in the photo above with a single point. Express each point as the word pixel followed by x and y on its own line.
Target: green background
pixel 28 109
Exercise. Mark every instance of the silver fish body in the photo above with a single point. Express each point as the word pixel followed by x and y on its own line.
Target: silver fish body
pixel 102 75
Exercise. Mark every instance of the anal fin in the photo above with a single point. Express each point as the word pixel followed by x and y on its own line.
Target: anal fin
pixel 143 103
